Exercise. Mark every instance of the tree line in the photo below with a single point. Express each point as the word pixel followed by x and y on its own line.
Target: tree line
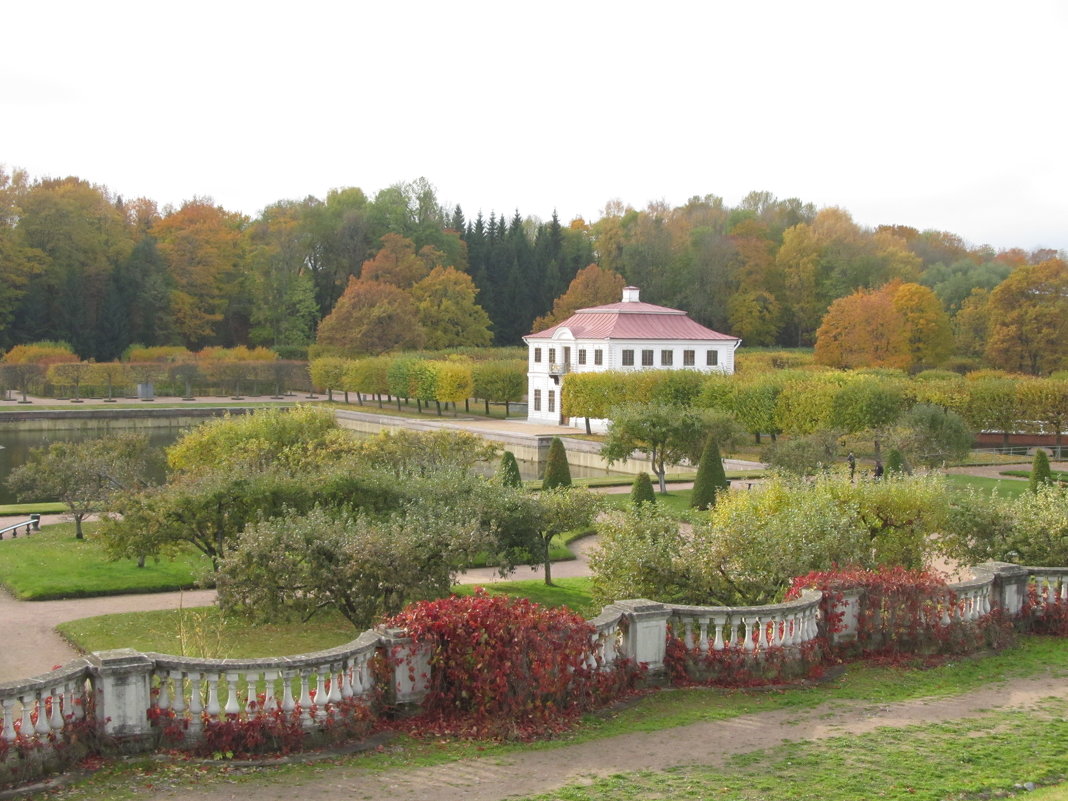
pixel 82 265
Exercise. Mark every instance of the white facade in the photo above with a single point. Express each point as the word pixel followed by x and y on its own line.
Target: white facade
pixel 571 347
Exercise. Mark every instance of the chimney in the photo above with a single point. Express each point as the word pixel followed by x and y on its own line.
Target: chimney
pixel 630 294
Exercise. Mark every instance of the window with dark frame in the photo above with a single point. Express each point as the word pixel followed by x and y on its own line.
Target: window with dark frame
pixel 598 357
pixel 552 401
pixel 552 355
pixel 667 358
pixel 712 359
pixel 581 356
pixel 647 358
pixel 537 354
pixel 628 358
pixel 537 400
pixel 688 358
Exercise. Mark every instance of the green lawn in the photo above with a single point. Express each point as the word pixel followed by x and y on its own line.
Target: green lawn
pixel 33 508
pixel 677 501
pixel 1009 488
pixel 202 631
pixel 53 564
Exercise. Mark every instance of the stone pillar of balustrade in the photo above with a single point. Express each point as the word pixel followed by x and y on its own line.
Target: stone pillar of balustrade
pixel 850 610
pixel 411 671
pixel 122 682
pixel 1009 590
pixel 645 642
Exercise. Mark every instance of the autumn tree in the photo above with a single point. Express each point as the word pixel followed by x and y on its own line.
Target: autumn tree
pixel 900 325
pixel 1028 318
pixel 446 309
pixel 396 263
pixel 371 318
pixel 203 248
pixel 592 286
pixel 862 330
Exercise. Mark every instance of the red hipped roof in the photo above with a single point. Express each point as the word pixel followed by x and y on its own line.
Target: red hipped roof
pixel 632 320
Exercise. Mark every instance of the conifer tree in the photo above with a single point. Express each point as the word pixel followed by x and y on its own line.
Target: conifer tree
pixel 895 462
pixel 1040 472
pixel 710 477
pixel 508 472
pixel 641 490
pixel 557 472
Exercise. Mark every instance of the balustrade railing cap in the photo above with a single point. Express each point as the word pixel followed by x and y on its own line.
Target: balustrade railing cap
pixel 640 606
pixel 119 659
pixel 1004 569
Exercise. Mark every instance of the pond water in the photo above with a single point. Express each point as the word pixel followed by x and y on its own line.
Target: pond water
pixel 15 447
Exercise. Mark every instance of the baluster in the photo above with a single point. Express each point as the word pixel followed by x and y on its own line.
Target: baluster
pixel 270 695
pixel 688 639
pixel 305 698
pixel 736 633
pixel 287 692
pixel 179 694
pixel 196 700
pixel 252 701
pixel 946 619
pixel 76 700
pixel 26 727
pixel 595 650
pixel 163 700
pixel 719 622
pixel 55 720
pixel 213 708
pixel 41 726
pixel 321 695
pixel 346 679
pixel 335 684
pixel 9 719
pixel 747 641
pixel 232 707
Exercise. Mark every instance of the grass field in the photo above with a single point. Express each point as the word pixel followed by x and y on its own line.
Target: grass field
pixel 33 508
pixel 53 564
pixel 1007 487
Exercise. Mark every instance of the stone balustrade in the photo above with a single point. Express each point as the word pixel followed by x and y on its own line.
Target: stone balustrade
pixel 124 691
pixel 747 628
pixel 42 708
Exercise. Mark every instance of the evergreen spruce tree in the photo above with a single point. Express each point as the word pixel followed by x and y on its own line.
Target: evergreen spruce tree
pixel 508 472
pixel 557 472
pixel 1040 472
pixel 710 477
pixel 895 462
pixel 641 491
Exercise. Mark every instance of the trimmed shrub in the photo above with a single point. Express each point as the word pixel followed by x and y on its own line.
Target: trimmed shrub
pixel 557 472
pixel 895 462
pixel 1040 472
pixel 508 472
pixel 710 477
pixel 641 490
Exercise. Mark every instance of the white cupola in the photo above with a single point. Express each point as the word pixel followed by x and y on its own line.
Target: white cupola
pixel 630 294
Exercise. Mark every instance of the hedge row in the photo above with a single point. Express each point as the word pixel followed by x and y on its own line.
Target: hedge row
pixel 803 401
pixel 410 377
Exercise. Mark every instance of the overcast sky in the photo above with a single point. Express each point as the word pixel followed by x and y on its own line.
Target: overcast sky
pixel 935 114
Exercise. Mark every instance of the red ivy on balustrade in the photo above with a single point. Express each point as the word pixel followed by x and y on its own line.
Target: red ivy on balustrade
pixel 901 615
pixel 507 667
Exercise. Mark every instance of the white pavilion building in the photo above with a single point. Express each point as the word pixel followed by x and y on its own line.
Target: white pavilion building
pixel 629 335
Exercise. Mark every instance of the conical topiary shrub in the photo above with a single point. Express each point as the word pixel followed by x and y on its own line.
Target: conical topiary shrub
pixel 710 477
pixel 557 473
pixel 895 462
pixel 508 472
pixel 1040 472
pixel 641 491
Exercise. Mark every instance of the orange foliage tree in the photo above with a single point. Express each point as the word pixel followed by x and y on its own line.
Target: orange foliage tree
pixel 591 286
pixel 1028 319
pixel 370 318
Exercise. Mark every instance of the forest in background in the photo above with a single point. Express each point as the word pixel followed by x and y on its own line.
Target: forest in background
pixel 81 265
